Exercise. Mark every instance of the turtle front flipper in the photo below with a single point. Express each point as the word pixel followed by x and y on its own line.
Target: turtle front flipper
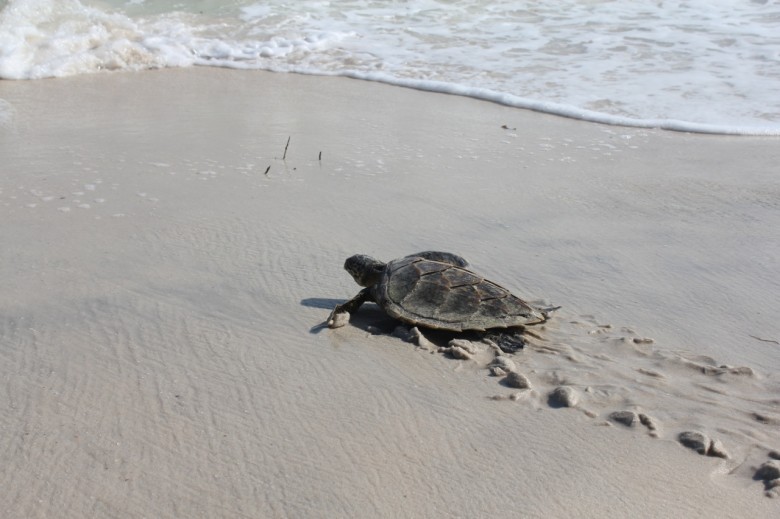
pixel 340 315
pixel 444 257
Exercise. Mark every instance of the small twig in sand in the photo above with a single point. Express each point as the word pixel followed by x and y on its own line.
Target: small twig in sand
pixel 765 340
pixel 267 170
pixel 285 148
pixel 320 157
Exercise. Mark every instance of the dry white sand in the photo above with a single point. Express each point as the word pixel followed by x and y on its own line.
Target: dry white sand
pixel 160 296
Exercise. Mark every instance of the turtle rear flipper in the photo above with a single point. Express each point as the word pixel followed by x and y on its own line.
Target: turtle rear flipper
pixel 508 342
pixel 547 311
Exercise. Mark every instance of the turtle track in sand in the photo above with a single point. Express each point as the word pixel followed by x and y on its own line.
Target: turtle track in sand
pixel 619 378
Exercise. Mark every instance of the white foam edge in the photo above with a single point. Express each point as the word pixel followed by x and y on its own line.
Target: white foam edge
pixel 511 100
pixel 562 110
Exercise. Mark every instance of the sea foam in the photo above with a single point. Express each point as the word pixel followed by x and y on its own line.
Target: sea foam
pixel 710 67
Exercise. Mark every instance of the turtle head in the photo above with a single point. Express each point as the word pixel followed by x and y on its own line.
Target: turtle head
pixel 364 269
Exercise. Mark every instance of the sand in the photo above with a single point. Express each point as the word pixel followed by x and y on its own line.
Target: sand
pixel 162 293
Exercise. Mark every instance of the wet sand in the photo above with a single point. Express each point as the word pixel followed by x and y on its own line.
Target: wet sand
pixel 166 268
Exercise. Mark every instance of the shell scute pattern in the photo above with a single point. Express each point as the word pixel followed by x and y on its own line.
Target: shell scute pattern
pixel 442 295
pixel 399 282
pixel 434 289
pixel 425 294
pixel 461 302
pixel 490 290
pixel 457 277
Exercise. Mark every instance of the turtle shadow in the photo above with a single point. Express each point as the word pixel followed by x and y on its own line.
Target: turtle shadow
pixel 373 320
pixel 325 303
pixel 321 302
pixel 555 403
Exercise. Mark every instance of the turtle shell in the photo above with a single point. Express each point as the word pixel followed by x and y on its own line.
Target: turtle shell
pixel 445 296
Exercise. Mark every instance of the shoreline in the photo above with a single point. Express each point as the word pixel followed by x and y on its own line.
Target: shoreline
pixel 159 307
pixel 556 109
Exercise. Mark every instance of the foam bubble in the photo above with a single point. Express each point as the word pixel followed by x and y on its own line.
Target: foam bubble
pixel 46 38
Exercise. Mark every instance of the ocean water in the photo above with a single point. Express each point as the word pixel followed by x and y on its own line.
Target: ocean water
pixel 698 65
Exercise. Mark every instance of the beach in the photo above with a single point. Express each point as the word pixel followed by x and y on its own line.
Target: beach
pixel 174 240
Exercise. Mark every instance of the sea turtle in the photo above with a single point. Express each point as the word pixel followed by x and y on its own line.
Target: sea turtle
pixel 435 290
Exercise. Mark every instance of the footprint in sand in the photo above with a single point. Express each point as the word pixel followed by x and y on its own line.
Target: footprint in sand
pixel 563 396
pixel 769 473
pixel 618 377
pixel 631 419
pixel 702 444
pixel 613 373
